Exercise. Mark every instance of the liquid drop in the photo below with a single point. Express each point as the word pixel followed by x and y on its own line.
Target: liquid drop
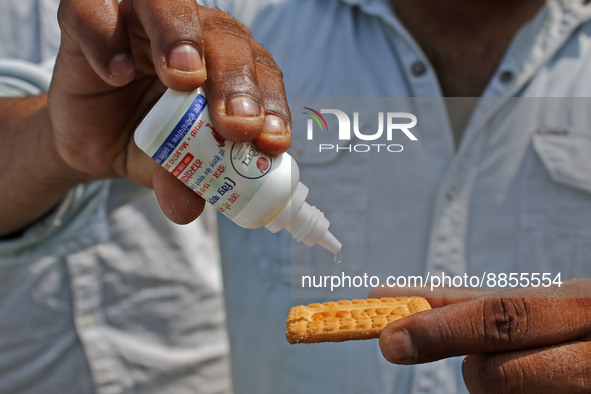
pixel 338 257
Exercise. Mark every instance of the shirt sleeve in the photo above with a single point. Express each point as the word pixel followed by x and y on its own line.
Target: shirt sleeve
pixel 21 78
pixel 79 207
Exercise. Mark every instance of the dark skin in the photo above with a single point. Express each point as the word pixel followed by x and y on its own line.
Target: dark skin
pixel 529 340
pixel 114 62
pixel 464 40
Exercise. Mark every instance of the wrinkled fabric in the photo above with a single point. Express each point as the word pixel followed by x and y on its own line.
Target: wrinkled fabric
pixel 514 196
pixel 103 294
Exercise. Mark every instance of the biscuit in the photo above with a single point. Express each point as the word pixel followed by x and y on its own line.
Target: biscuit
pixel 348 320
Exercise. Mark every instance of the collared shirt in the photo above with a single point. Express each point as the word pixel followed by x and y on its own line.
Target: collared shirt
pixel 515 196
pixel 104 294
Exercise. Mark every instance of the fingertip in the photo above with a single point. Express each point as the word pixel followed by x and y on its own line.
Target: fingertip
pixel 185 58
pixel 383 343
pixel 183 68
pixel 242 106
pixel 242 118
pixel 173 32
pixel 237 119
pixel 275 137
pixel 396 346
pixel 179 203
pixel 121 70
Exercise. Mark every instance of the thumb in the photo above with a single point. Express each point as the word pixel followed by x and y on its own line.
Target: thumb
pixel 507 321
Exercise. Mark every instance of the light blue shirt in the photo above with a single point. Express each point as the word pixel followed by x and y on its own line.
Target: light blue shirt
pixel 514 197
pixel 103 295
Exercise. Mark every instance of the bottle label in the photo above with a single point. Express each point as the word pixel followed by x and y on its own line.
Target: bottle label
pixel 224 173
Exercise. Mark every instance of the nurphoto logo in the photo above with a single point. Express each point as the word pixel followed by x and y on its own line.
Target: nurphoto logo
pixel 390 125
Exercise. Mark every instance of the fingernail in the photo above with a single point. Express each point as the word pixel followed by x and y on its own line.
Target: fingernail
pixel 185 57
pixel 120 66
pixel 274 125
pixel 400 347
pixel 242 106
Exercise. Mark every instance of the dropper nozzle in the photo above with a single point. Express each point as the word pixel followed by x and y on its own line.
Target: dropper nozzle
pixel 329 242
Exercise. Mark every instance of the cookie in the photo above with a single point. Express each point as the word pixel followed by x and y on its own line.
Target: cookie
pixel 348 319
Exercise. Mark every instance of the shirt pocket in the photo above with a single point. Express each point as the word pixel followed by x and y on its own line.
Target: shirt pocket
pixel 556 205
pixel 559 182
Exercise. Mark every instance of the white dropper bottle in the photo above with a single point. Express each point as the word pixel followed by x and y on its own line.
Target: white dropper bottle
pixel 248 186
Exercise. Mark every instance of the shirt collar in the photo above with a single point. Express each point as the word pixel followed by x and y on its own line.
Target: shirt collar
pixel 577 9
pixel 536 43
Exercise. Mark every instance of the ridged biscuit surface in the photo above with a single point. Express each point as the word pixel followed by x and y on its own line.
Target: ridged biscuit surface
pixel 348 320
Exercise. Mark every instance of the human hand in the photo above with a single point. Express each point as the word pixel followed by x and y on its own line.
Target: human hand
pixel 529 340
pixel 115 61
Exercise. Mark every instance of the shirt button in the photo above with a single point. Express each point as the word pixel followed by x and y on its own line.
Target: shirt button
pixel 506 76
pixel 418 68
pixel 451 193
pixel 438 268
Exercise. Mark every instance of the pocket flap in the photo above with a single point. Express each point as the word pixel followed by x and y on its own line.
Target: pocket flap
pixel 567 157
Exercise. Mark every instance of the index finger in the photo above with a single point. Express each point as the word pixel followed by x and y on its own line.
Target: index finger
pixel 168 34
pixel 244 85
pixel 506 321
